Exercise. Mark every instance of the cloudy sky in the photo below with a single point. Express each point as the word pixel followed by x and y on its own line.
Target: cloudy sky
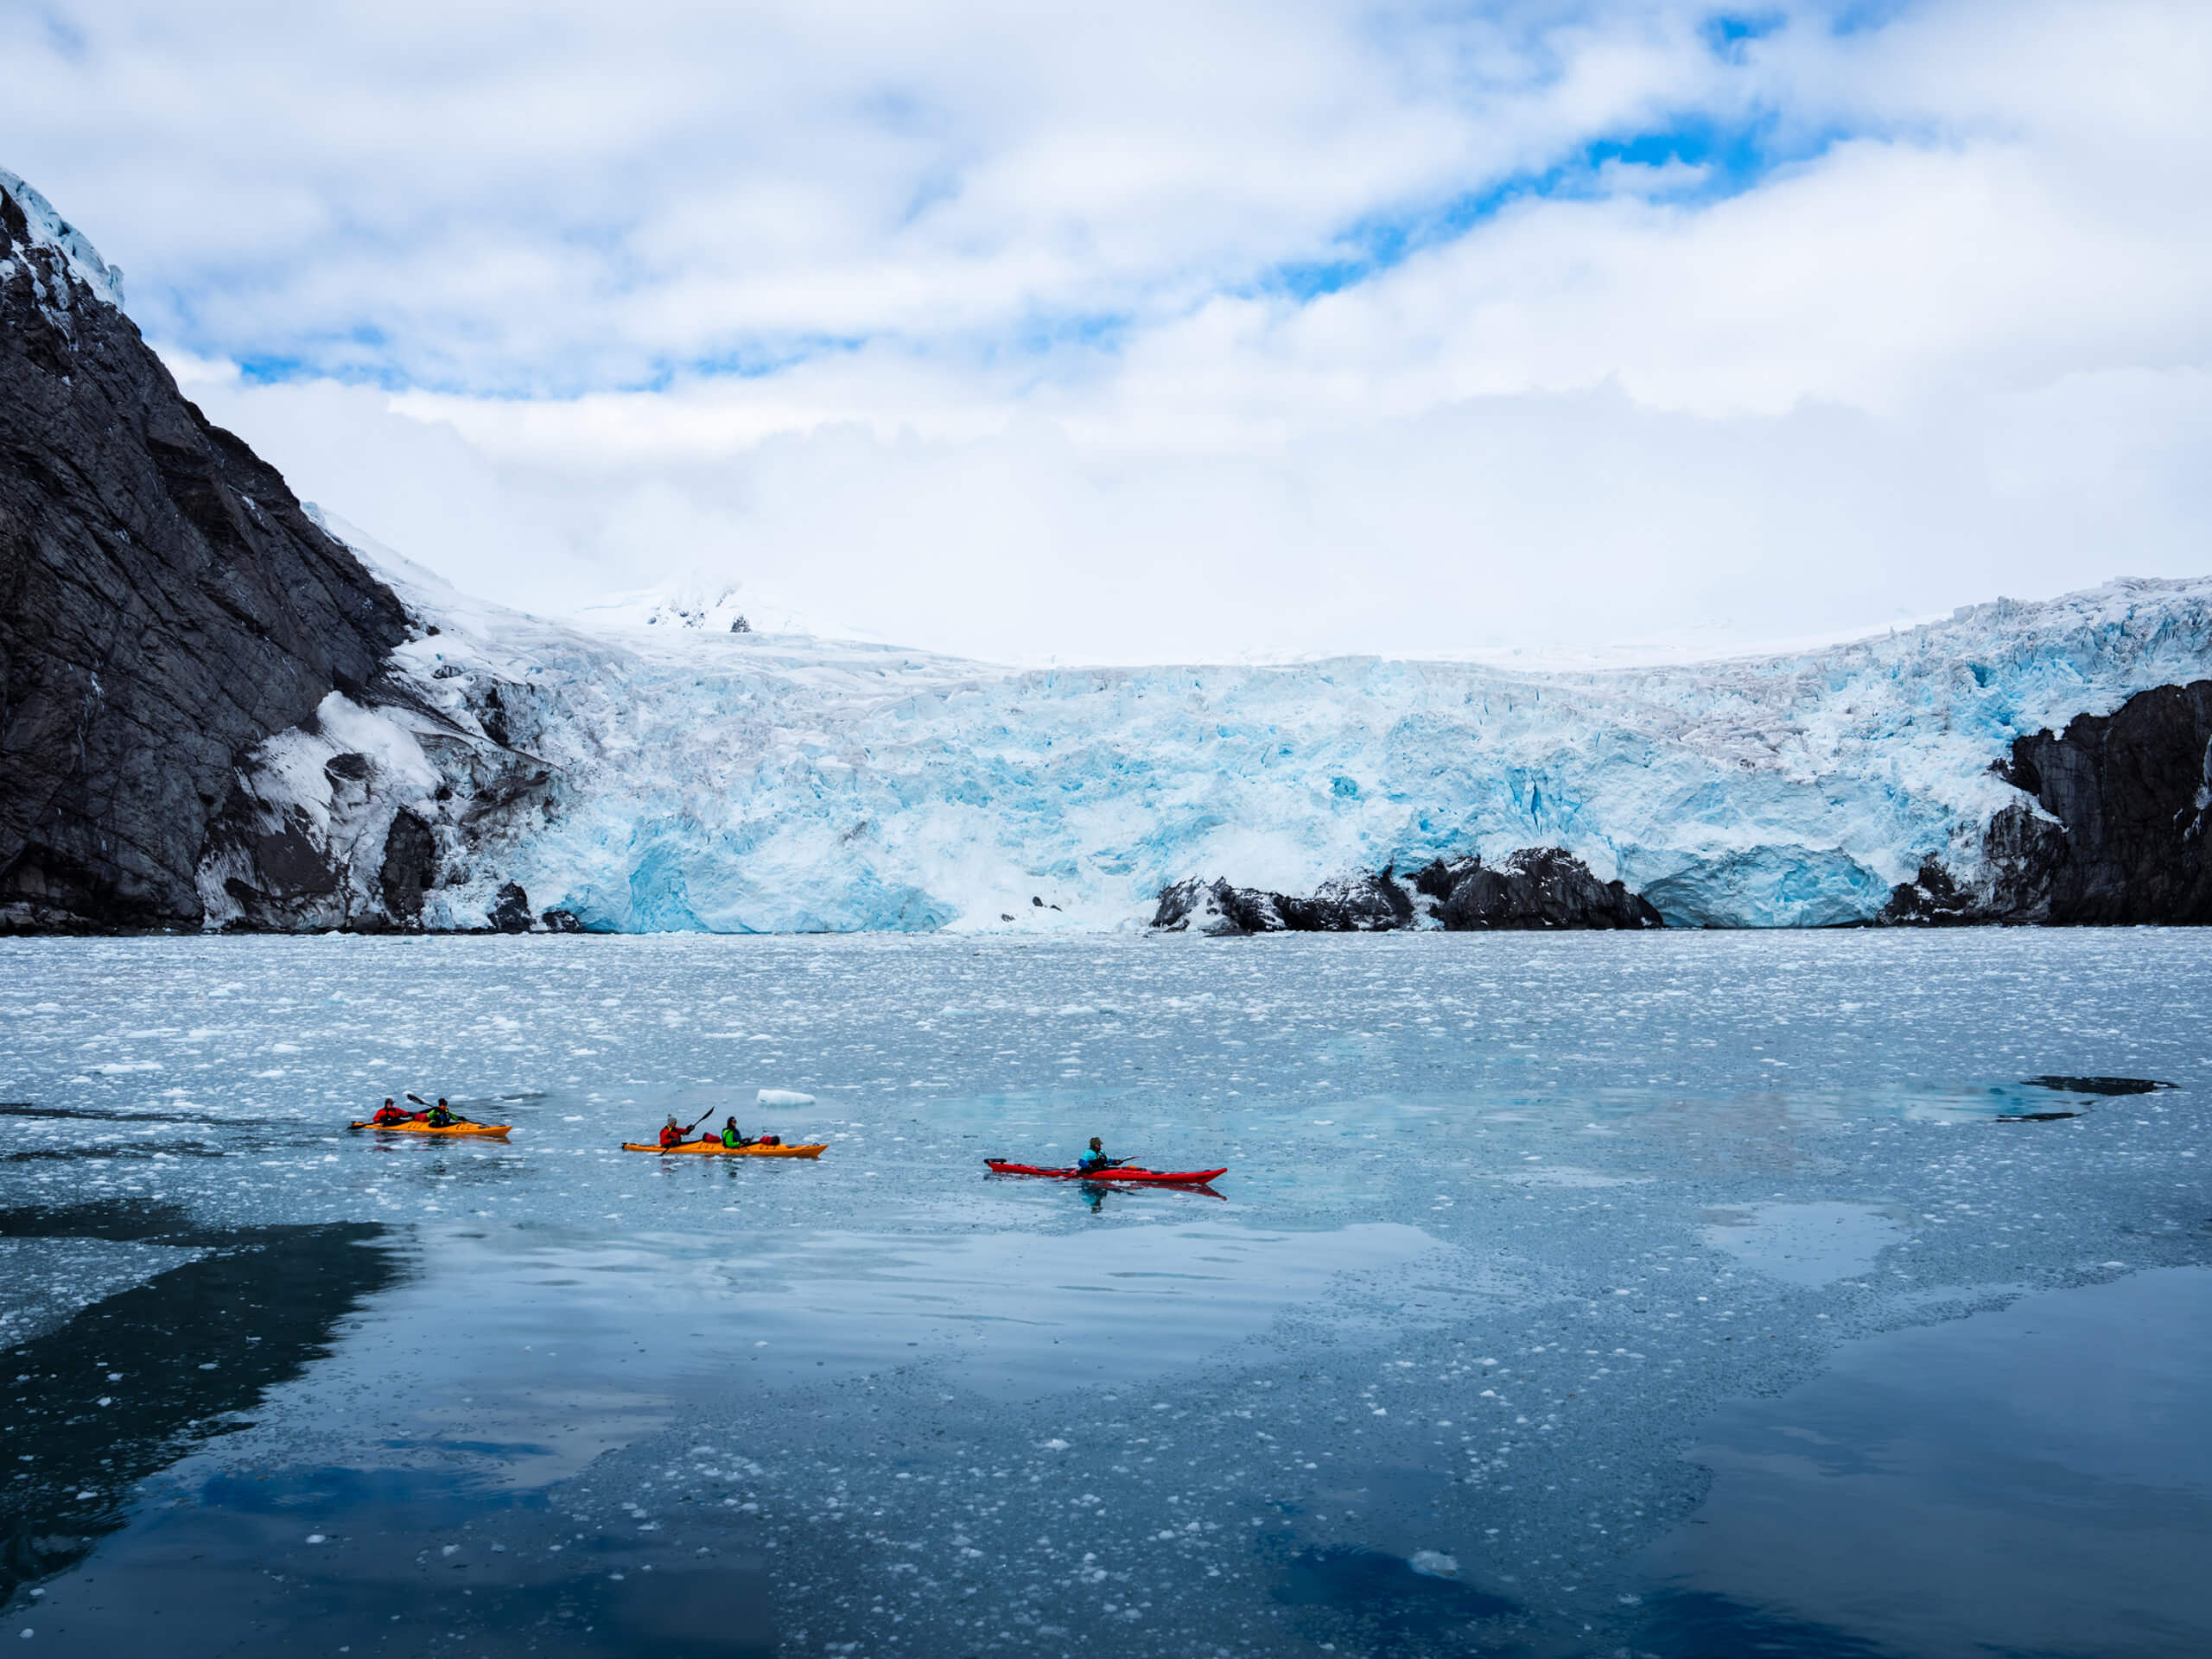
pixel 1203 329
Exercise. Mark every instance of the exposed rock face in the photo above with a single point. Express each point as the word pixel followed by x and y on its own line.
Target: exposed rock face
pixel 2120 835
pixel 1536 887
pixel 409 867
pixel 204 719
pixel 165 605
pixel 510 913
pixel 385 813
pixel 1370 904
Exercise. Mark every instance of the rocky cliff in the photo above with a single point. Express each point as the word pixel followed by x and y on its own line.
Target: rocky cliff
pixel 1534 889
pixel 165 605
pixel 2113 831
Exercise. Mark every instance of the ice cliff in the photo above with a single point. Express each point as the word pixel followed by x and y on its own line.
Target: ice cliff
pixel 689 778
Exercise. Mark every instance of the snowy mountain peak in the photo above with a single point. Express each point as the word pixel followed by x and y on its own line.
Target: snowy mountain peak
pixel 44 228
pixel 691 601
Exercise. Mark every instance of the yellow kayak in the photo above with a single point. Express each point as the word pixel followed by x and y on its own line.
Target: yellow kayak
pixel 715 1149
pixel 489 1131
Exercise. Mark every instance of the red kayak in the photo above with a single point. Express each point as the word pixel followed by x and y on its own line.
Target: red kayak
pixel 1150 1177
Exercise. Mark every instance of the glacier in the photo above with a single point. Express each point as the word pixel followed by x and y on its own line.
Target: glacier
pixel 672 775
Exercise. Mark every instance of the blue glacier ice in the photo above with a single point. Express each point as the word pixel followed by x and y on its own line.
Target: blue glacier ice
pixel 701 779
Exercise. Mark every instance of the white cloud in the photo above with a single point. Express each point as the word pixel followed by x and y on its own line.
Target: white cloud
pixel 1012 376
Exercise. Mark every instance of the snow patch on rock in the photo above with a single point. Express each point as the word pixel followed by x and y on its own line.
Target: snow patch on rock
pixel 49 229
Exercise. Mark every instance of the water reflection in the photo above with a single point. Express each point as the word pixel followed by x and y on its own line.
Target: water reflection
pixel 1813 1244
pixel 337 1558
pixel 1384 1603
pixel 2034 1480
pixel 122 1390
pixel 1094 1192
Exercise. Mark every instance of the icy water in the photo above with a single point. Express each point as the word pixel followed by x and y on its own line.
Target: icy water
pixel 1664 1295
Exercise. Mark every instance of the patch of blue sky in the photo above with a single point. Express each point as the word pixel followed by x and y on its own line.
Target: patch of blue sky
pixel 363 357
pixel 1101 331
pixel 757 360
pixel 1864 16
pixel 63 36
pixel 275 368
pixel 1695 159
pixel 1730 34
pixel 359 356
pixel 941 185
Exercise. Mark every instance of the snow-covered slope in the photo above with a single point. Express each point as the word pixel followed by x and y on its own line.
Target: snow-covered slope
pixel 697 778
pixel 45 228
pixel 687 602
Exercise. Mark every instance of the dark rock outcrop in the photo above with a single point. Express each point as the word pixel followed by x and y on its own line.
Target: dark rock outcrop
pixel 1535 888
pixel 1370 904
pixel 510 911
pixel 410 867
pixel 1933 899
pixel 165 606
pixel 2120 836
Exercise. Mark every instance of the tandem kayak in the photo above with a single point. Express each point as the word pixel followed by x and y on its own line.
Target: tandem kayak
pixel 715 1149
pixel 488 1131
pixel 1149 1177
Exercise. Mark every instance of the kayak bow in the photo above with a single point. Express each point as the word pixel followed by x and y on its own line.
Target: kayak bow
pixel 1147 1177
pixel 490 1131
pixel 715 1149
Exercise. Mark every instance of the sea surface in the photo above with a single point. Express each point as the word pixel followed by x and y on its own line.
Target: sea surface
pixel 1686 1294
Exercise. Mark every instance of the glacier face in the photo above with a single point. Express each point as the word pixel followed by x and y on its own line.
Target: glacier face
pixel 692 779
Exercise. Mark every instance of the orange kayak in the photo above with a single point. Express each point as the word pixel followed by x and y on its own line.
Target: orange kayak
pixel 715 1149
pixel 485 1131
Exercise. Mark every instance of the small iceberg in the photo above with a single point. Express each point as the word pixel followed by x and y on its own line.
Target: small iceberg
pixel 782 1097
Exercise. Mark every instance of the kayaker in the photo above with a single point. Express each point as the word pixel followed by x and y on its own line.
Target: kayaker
pixel 440 1116
pixel 730 1136
pixel 389 1114
pixel 1094 1160
pixel 671 1133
